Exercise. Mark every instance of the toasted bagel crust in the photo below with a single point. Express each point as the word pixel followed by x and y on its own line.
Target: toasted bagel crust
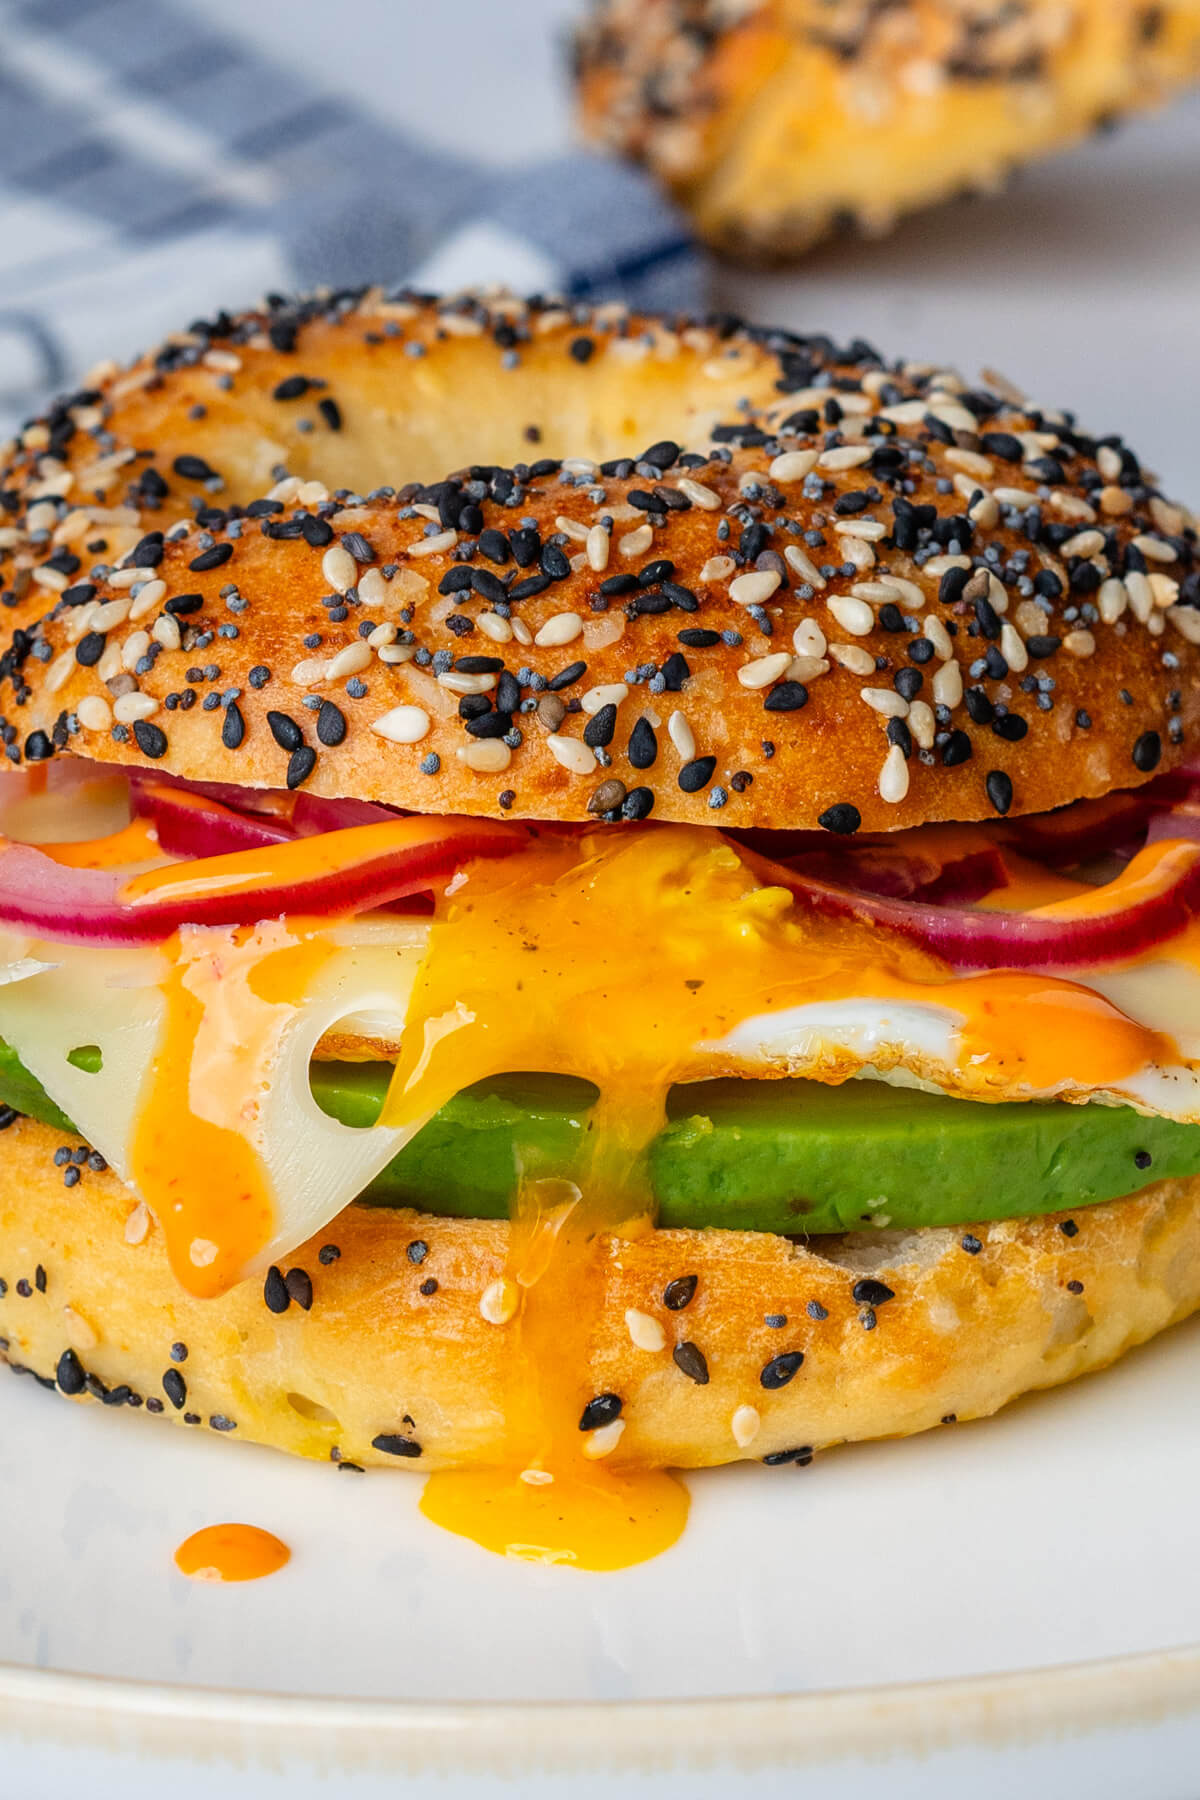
pixel 879 598
pixel 776 121
pixel 966 1328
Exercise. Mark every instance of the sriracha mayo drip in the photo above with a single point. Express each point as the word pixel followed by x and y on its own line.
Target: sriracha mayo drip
pixel 194 1160
pixel 223 1553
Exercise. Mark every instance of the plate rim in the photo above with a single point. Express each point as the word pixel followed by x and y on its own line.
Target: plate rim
pixel 1006 1711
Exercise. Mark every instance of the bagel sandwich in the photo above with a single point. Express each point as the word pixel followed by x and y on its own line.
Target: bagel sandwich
pixel 585 894
pixel 777 122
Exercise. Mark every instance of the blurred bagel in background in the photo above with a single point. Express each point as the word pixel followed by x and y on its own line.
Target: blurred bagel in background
pixel 774 122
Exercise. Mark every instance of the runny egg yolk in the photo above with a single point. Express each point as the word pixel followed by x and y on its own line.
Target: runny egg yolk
pixel 624 958
pixel 620 960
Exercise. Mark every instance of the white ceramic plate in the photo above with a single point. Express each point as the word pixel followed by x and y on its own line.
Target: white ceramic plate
pixel 1060 1533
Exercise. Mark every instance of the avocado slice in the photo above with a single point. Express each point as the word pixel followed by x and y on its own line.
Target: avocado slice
pixel 784 1156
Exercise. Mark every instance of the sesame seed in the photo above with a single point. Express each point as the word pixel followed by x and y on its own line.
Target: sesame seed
pixel 600 1411
pixel 753 589
pixel 947 686
pixel 394 1443
pixel 793 465
pixel 886 701
pixel 681 735
pixel 1147 752
pixel 571 754
pixel 645 1331
pixel 436 545
pixel 233 726
pixel 331 723
pixel 560 628
pixel 500 1301
pixel 275 1291
pixel 999 790
pixel 763 670
pixel 845 456
pixel 604 1439
pixel 350 661
pixel 611 694
pixel 893 777
pixel 132 707
pixel 606 798
pixel 691 1361
pixel 704 497
pixel 635 542
pixel 870 1292
pixel 696 775
pixel 300 1288
pixel 745 1425
pixel 465 682
pixel 403 724
pixel 339 568
pixel 499 630
pixel 137 1225
pixel 680 1292
pixel 151 739
pixel 598 544
pixel 780 1370
pixel 487 756
pixel 212 558
pixel 301 764
pixel 94 713
pixel 854 616
pixel 69 1373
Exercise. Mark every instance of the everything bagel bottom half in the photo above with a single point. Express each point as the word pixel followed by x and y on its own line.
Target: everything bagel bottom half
pixel 382 1355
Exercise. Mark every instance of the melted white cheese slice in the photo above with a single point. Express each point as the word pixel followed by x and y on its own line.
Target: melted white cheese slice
pixel 249 1074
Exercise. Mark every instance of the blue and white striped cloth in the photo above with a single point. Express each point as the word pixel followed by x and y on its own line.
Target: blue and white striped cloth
pixel 154 165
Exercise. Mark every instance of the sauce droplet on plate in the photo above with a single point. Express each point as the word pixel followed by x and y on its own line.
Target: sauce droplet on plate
pixel 231 1553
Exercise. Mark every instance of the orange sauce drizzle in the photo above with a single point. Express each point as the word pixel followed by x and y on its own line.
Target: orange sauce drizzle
pixel 137 842
pixel 192 1160
pixel 231 1553
pixel 1148 874
pixel 1029 885
pixel 321 857
pixel 624 959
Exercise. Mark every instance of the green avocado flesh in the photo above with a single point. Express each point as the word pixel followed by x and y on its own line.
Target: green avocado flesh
pixel 781 1156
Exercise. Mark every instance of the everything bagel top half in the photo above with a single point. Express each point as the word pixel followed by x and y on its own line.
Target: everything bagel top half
pixel 492 557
